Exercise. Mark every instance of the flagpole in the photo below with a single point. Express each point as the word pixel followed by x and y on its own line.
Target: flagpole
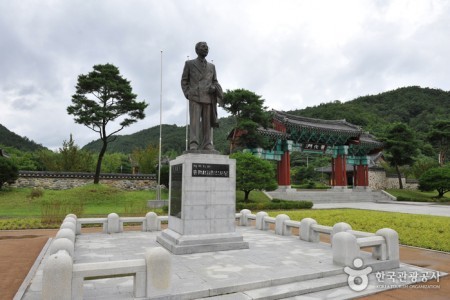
pixel 187 119
pixel 212 128
pixel 158 189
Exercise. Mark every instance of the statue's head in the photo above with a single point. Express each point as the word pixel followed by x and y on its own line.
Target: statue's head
pixel 201 48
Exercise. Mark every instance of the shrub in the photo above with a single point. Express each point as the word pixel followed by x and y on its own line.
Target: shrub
pixel 135 208
pixel 311 185
pixel 412 199
pixel 436 179
pixel 36 193
pixel 23 223
pixel 8 172
pixel 54 211
pixel 253 173
pixel 275 204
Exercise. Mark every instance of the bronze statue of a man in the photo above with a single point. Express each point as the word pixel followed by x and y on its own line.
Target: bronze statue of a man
pixel 200 86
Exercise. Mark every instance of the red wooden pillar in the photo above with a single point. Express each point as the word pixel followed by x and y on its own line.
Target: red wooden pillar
pixel 362 174
pixel 284 170
pixel 339 166
pixel 283 166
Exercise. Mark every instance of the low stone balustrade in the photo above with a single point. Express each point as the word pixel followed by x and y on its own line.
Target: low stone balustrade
pixel 59 270
pixel 114 224
pixel 384 243
pixel 346 242
pixel 153 270
pixel 71 226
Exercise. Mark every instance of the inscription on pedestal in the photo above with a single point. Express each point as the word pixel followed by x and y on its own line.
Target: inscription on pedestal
pixel 210 170
pixel 175 190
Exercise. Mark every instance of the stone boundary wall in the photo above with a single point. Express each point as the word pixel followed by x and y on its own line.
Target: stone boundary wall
pixel 68 180
pixel 379 181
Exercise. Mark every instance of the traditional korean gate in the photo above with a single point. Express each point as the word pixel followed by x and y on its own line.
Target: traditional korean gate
pixel 345 142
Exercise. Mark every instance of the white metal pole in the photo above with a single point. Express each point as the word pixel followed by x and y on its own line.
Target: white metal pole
pixel 212 129
pixel 187 120
pixel 158 189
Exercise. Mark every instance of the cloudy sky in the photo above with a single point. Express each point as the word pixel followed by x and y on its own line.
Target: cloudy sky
pixel 293 53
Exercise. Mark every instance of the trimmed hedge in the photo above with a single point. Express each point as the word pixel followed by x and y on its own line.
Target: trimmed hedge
pixel 274 204
pixel 412 199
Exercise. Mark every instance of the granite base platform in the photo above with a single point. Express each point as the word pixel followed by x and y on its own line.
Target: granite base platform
pixel 274 267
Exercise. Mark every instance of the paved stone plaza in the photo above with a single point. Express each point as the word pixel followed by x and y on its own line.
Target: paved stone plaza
pixel 274 267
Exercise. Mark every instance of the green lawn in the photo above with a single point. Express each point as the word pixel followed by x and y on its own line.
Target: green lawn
pixel 431 232
pixel 415 195
pixel 18 211
pixel 90 200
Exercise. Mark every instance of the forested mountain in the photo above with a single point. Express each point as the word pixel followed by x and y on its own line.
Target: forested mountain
pixel 418 107
pixel 10 139
pixel 173 139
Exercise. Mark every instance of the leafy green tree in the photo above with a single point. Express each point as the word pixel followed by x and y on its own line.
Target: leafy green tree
pixel 436 179
pixel 147 159
pixel 165 169
pixel 439 137
pixel 8 171
pixel 250 113
pixel 423 164
pixel 101 97
pixel 401 147
pixel 72 159
pixel 27 161
pixel 23 160
pixel 48 160
pixel 253 173
pixel 302 174
pixel 112 162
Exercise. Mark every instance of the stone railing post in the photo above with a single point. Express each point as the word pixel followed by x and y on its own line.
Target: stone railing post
pixel 345 249
pixel 260 224
pixel 159 269
pixel 339 227
pixel 307 233
pixel 280 228
pixel 57 277
pixel 151 221
pixel 62 244
pixel 66 233
pixel 243 221
pixel 392 244
pixel 113 223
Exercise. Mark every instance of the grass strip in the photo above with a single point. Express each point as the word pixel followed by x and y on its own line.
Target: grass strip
pixel 430 232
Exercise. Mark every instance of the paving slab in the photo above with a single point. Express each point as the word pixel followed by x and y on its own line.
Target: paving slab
pixel 272 262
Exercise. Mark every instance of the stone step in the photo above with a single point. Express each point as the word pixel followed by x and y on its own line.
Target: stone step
pixel 288 290
pixel 238 291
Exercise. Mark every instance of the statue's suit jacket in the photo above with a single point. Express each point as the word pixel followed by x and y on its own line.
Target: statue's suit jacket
pixel 196 81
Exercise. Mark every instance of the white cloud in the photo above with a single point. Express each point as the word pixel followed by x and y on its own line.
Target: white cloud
pixel 292 53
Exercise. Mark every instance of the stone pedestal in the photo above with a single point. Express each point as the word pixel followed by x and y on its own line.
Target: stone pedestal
pixel 202 205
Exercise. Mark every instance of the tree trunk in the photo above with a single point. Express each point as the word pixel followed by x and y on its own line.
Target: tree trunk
pixel 246 193
pixel 400 184
pixel 99 162
pixel 442 158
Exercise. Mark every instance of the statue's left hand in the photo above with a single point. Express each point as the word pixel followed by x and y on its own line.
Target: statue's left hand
pixel 212 89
